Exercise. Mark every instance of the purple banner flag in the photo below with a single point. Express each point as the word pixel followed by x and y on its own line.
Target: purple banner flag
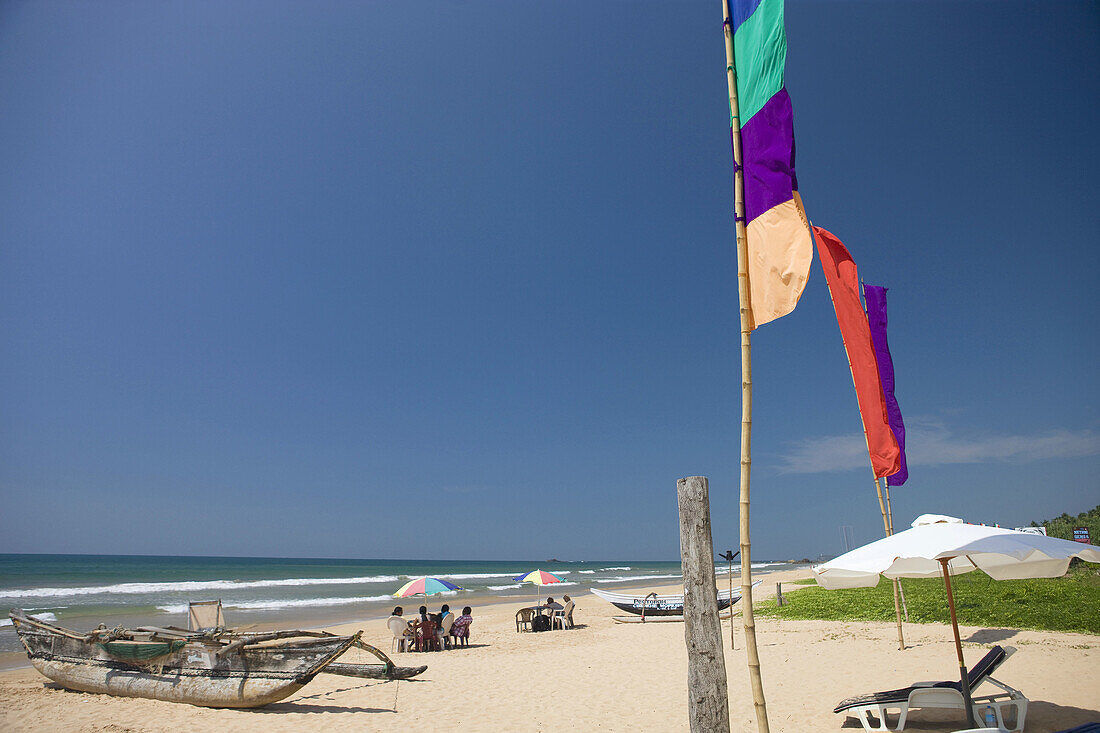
pixel 876 318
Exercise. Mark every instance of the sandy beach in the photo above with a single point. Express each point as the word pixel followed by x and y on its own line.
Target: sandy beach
pixel 608 676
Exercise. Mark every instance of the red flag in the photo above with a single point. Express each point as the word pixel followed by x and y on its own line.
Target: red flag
pixel 843 280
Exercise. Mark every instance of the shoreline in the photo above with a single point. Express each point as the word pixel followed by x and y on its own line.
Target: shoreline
pixel 327 620
pixel 608 676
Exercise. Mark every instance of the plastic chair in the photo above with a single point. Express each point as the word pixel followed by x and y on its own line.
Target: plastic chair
pixel 426 640
pixel 524 617
pixel 399 628
pixel 460 632
pixel 444 630
pixel 563 619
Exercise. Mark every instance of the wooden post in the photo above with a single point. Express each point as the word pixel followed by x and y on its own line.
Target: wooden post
pixel 745 309
pixel 779 594
pixel 708 696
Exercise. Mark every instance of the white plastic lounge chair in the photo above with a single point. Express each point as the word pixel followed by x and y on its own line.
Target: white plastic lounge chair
pixel 941 695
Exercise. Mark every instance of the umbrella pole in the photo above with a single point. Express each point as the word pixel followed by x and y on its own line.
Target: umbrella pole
pixel 964 678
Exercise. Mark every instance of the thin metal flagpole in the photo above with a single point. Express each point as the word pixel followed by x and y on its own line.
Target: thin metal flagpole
pixel 745 309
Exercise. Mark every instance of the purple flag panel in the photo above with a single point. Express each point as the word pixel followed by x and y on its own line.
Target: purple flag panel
pixel 767 143
pixel 876 318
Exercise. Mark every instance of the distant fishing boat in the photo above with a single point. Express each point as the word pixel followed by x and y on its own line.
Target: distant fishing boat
pixel 662 605
pixel 215 668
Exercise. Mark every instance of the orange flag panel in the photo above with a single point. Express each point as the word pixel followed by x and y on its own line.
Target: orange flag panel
pixel 843 280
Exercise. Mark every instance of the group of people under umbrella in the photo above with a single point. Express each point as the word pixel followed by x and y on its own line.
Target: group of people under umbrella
pixel 935 546
pixel 435 631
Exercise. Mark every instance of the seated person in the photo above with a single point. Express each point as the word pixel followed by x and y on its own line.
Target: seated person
pixel 460 630
pixel 552 604
pixel 443 625
pixel 399 627
pixel 564 617
pixel 425 633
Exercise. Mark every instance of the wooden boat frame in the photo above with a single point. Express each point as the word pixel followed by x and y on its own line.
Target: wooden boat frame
pixel 214 668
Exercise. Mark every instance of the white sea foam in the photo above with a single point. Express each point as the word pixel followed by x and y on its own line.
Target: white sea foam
pixel 608 570
pixel 505 587
pixel 466 576
pixel 188 586
pixel 275 604
pixel 586 572
pixel 44 616
pixel 724 569
pixel 628 578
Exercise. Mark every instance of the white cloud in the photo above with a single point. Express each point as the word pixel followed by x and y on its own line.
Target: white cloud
pixel 929 442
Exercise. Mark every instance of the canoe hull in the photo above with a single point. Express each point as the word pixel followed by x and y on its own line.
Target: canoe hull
pixel 179 685
pixel 194 674
pixel 658 605
pixel 663 608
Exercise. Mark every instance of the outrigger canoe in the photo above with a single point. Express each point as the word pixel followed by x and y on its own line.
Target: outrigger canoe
pixel 218 668
pixel 666 605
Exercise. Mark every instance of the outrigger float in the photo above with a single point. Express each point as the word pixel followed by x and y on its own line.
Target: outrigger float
pixel 216 668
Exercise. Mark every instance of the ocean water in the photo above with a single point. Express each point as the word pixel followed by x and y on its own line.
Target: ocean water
pixel 82 591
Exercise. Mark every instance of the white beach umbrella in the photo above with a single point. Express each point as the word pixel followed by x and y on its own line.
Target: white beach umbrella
pixel 938 545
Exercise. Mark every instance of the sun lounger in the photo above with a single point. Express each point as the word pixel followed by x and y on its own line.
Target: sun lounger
pixel 941 695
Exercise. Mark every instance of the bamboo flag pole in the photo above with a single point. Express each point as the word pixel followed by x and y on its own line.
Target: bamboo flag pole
pixel 752 653
pixel 886 523
pixel 890 531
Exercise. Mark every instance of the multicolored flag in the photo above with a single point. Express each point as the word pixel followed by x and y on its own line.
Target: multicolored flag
pixel 778 233
pixel 843 280
pixel 876 319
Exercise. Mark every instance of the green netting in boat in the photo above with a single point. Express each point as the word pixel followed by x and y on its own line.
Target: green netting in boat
pixel 139 651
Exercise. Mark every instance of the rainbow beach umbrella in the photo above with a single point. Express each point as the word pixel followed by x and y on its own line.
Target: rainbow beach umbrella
pixel 539 578
pixel 425 586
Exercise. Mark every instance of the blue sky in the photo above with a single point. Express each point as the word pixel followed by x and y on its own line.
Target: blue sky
pixel 457 279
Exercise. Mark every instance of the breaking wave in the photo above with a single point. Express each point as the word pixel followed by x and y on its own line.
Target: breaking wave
pixel 44 616
pixel 463 576
pixel 628 578
pixel 188 586
pixel 294 603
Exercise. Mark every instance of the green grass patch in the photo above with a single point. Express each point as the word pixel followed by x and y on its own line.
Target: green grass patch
pixel 1070 603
